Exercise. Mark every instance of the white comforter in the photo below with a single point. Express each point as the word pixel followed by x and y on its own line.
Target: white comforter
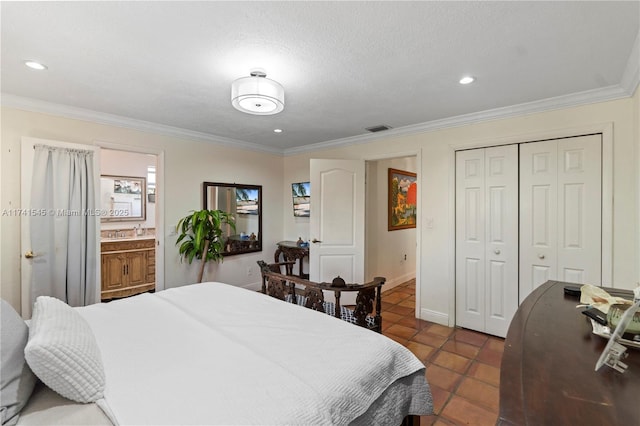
pixel 213 353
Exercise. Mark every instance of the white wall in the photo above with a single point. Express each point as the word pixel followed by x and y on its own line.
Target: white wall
pixel 125 163
pixel 436 288
pixel 186 165
pixel 189 163
pixel 386 250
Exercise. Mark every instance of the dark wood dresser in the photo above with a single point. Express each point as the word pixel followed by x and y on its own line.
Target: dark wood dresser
pixel 548 372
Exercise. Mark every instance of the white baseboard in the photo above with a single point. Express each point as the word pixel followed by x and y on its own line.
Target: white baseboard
pixel 389 284
pixel 434 316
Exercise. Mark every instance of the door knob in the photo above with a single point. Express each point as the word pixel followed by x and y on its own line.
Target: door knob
pixel 29 254
pixel 541 256
pixel 497 251
pixel 315 241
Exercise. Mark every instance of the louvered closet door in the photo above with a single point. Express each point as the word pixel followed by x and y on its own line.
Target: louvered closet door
pixel 487 238
pixel 561 212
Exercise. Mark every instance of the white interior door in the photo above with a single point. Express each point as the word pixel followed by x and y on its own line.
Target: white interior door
pixel 487 238
pixel 337 223
pixel 26 172
pixel 561 212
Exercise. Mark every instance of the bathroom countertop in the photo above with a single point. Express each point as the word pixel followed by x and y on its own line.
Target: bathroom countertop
pixel 141 237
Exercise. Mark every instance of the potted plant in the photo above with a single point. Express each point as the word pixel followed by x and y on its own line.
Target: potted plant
pixel 201 236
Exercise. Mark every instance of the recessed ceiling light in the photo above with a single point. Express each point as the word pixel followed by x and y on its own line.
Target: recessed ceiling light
pixel 467 80
pixel 277 130
pixel 35 65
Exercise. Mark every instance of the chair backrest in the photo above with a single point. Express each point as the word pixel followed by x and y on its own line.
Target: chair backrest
pixel 279 285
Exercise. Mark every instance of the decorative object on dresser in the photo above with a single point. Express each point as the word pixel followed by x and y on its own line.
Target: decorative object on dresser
pixel 203 235
pixel 283 287
pixel 128 267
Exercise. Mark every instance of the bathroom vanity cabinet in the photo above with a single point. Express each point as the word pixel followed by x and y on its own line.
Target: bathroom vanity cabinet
pixel 128 267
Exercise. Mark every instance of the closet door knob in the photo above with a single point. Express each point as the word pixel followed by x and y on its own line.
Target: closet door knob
pixel 541 256
pixel 497 251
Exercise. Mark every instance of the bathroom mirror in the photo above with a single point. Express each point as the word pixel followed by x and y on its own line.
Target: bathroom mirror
pixel 244 202
pixel 122 198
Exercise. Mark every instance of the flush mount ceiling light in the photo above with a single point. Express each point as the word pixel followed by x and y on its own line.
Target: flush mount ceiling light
pixel 35 65
pixel 257 94
pixel 467 80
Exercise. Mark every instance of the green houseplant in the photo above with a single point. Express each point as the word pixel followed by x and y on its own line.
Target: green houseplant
pixel 200 236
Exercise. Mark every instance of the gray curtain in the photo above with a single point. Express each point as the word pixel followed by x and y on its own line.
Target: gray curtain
pixel 63 226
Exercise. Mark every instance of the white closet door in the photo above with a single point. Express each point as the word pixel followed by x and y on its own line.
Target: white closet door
pixel 501 247
pixel 470 239
pixel 580 210
pixel 538 214
pixel 487 238
pixel 561 212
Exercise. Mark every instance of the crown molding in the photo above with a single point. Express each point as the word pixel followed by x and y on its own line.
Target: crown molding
pixel 576 99
pixel 36 105
pixel 627 87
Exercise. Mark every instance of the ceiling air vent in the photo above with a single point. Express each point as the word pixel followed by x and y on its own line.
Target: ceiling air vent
pixel 378 128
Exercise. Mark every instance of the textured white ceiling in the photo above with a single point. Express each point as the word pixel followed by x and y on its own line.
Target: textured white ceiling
pixel 345 66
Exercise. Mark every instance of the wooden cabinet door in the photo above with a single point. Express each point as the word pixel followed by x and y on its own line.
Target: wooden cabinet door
pixel 113 271
pixel 136 268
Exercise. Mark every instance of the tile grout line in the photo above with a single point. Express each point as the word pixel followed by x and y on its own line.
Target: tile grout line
pixel 421 326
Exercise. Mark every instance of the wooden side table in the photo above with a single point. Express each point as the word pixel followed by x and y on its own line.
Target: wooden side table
pixel 292 252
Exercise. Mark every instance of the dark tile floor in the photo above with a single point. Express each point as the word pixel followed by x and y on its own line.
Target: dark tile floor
pixel 463 366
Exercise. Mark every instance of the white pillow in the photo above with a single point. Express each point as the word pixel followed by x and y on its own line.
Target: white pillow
pixel 63 352
pixel 16 378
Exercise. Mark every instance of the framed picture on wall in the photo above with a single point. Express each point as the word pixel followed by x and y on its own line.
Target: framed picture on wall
pixel 403 191
pixel 301 193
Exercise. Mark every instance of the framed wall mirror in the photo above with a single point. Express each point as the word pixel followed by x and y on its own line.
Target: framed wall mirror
pixel 123 198
pixel 244 202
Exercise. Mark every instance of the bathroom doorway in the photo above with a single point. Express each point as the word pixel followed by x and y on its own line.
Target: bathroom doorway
pixel 131 256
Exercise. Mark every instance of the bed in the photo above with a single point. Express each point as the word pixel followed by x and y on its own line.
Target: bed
pixel 213 353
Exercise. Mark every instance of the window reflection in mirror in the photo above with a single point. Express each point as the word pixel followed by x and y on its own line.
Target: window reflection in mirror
pixel 245 203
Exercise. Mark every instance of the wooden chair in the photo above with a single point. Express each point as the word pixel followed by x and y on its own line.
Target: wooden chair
pixel 310 295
